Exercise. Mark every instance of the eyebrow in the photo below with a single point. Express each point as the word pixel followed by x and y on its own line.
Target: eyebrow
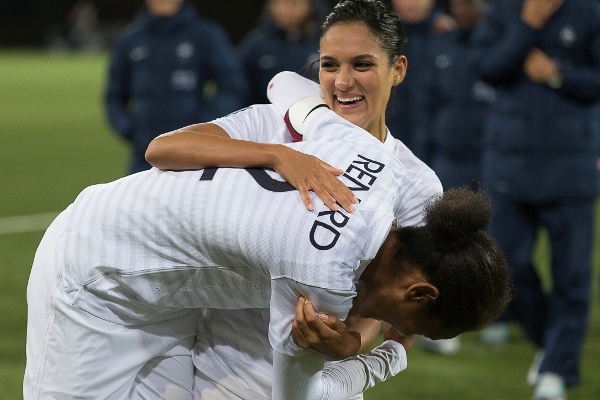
pixel 358 57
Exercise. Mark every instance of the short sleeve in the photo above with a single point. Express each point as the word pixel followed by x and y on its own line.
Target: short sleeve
pixel 260 123
pixel 284 296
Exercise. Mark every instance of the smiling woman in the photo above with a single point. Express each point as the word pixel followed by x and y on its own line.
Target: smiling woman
pixel 361 61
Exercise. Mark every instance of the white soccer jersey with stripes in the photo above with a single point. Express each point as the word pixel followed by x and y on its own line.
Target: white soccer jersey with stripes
pixel 228 239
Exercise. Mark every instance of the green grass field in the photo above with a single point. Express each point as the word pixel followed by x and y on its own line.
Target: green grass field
pixel 54 141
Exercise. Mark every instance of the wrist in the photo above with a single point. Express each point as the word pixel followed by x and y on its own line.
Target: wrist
pixel 274 154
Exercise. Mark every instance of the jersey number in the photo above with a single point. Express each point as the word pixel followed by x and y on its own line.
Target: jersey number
pixel 260 176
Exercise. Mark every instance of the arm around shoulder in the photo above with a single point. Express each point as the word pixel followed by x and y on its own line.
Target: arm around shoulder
pixel 208 145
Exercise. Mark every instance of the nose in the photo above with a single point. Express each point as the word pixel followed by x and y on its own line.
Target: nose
pixel 344 80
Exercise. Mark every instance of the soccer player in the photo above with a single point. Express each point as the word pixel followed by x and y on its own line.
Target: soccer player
pixel 123 274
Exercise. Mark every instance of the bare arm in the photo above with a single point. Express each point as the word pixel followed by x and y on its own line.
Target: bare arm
pixel 208 145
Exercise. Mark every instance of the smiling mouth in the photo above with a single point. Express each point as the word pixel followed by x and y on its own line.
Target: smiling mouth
pixel 347 101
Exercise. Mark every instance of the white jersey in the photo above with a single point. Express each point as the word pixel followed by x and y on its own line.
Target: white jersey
pixel 156 241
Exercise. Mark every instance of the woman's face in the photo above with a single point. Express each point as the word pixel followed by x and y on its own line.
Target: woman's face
pixel 290 14
pixel 164 8
pixel 356 77
pixel 466 12
pixel 395 305
pixel 413 11
pixel 399 298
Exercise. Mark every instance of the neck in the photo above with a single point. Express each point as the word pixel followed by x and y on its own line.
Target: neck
pixel 379 131
pixel 378 268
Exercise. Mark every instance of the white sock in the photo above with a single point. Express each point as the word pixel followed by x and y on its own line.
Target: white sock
pixel 287 87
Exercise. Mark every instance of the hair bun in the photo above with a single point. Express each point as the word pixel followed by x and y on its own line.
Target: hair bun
pixel 457 215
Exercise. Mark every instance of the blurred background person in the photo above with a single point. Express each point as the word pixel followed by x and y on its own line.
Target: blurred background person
pixel 287 39
pixel 79 31
pixel 455 100
pixel 170 68
pixel 83 26
pixel 421 19
pixel 539 166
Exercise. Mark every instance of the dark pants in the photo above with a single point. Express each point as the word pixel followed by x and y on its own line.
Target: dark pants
pixel 556 321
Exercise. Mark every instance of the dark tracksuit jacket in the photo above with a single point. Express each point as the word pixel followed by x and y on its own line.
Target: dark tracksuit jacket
pixel 268 50
pixel 158 71
pixel 454 109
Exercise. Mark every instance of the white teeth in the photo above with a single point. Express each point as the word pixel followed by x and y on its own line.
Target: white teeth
pixel 349 99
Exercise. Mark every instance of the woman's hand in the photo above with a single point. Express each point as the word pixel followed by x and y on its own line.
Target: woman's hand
pixel 539 67
pixel 389 333
pixel 323 334
pixel 536 13
pixel 306 173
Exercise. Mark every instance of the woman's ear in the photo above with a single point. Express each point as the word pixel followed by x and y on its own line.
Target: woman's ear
pixel 421 291
pixel 400 69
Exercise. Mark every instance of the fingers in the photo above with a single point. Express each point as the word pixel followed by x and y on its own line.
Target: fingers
pixel 305 196
pixel 311 329
pixel 332 191
pixel 297 333
pixel 307 173
pixel 332 170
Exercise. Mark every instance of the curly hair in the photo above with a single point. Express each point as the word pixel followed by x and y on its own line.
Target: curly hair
pixel 457 256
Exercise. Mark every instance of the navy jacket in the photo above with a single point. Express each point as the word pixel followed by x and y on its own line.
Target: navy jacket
pixel 403 108
pixel 268 50
pixel 455 101
pixel 541 144
pixel 159 70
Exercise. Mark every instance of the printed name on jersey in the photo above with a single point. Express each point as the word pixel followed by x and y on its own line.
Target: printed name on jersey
pixel 361 173
pixel 363 170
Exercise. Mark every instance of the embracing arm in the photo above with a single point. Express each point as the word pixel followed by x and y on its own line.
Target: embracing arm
pixel 208 145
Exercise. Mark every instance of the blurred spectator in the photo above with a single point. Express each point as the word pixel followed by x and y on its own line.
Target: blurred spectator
pixel 79 31
pixel 168 69
pixel 455 101
pixel 539 166
pixel 286 40
pixel 83 26
pixel 421 20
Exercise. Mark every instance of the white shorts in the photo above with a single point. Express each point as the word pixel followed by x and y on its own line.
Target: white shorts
pixel 73 354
